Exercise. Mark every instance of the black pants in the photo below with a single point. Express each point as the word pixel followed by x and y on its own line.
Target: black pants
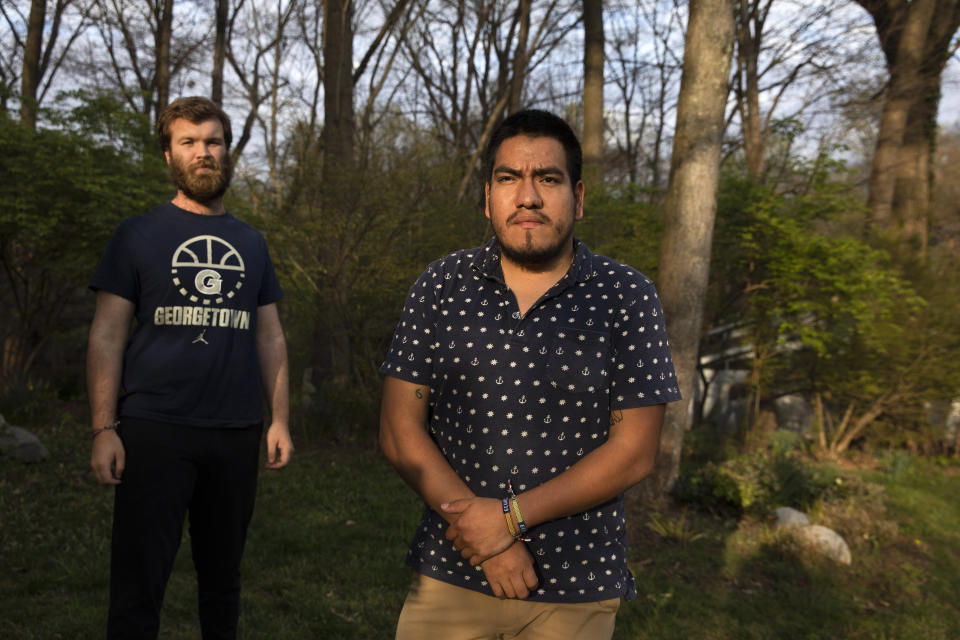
pixel 171 470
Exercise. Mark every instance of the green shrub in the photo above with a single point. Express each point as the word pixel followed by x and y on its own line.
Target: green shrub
pixel 795 484
pixel 897 464
pixel 757 483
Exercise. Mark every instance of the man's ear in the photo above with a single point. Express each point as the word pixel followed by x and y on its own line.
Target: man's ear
pixel 166 155
pixel 486 199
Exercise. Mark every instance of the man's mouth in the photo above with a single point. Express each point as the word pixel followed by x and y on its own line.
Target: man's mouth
pixel 527 220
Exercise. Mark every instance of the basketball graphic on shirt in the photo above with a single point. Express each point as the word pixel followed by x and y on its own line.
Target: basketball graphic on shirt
pixel 207 270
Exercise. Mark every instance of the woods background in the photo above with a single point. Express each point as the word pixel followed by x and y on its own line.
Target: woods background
pixel 778 168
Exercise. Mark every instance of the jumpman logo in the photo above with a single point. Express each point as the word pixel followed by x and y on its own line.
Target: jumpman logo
pixel 200 338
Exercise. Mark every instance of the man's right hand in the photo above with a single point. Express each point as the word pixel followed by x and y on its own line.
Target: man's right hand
pixel 108 457
pixel 511 573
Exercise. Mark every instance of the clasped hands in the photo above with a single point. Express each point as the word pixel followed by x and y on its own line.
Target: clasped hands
pixel 479 532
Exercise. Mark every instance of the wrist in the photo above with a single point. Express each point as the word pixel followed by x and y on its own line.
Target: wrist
pixel 107 427
pixel 514 515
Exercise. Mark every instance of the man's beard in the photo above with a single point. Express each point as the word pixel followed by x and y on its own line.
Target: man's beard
pixel 535 258
pixel 206 187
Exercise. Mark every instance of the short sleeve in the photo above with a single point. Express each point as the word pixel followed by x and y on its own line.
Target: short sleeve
pixel 410 356
pixel 116 272
pixel 643 372
pixel 270 290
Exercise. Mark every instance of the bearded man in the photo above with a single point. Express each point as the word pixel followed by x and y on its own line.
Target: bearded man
pixel 177 403
pixel 524 392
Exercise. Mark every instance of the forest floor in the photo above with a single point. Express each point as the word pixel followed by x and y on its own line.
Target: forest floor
pixel 324 557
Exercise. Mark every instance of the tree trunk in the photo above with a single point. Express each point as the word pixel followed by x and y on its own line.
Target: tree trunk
pixel 915 178
pixel 916 38
pixel 161 76
pixel 219 51
pixel 593 91
pixel 519 72
pixel 749 31
pixel 848 432
pixel 338 126
pixel 690 208
pixel 911 196
pixel 338 154
pixel 904 85
pixel 30 78
pixel 821 422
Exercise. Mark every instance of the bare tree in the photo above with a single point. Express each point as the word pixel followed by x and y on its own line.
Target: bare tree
pixel 336 199
pixel 690 209
pixel 917 39
pixel 146 49
pixel 520 56
pixel 259 50
pixel 163 15
pixel 471 61
pixel 30 78
pixel 338 122
pixel 219 50
pixel 593 90
pixel 787 52
pixel 645 70
pixel 38 54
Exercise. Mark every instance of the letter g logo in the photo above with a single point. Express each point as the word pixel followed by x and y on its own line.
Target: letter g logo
pixel 208 282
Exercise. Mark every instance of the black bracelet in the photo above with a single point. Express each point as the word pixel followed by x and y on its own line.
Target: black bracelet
pixel 107 427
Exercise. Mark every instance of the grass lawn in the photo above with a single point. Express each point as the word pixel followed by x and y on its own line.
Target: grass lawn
pixel 325 556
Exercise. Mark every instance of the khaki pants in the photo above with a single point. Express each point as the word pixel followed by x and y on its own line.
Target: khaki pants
pixel 435 610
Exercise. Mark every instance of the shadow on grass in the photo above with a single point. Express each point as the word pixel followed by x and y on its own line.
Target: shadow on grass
pixel 721 586
pixel 324 555
pixel 329 535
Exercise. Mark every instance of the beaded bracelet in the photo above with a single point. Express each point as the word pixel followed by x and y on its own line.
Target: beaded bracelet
pixel 106 427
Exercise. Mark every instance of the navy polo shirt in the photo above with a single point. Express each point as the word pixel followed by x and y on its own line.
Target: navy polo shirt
pixel 525 397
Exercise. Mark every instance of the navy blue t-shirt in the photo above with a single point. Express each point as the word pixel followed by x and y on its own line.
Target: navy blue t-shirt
pixel 197 282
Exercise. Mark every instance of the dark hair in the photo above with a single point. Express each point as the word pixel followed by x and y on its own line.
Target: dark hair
pixel 195 109
pixel 535 123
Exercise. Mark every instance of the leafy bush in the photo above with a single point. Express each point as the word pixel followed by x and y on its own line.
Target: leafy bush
pixel 831 315
pixel 755 483
pixel 674 527
pixel 62 194
pixel 897 464
pixel 28 401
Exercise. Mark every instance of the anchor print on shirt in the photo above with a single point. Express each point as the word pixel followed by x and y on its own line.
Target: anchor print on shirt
pixel 503 408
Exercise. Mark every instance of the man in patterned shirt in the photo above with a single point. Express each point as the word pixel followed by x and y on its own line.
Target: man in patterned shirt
pixel 529 367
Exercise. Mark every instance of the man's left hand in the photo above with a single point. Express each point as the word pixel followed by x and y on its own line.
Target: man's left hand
pixel 279 445
pixel 480 531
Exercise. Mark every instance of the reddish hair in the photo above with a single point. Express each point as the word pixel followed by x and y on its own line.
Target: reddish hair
pixel 195 109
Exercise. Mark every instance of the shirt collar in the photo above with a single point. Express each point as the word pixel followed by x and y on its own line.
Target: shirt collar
pixel 486 262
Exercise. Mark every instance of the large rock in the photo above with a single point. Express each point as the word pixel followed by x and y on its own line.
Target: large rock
pixel 794 413
pixel 823 539
pixel 20 444
pixel 790 517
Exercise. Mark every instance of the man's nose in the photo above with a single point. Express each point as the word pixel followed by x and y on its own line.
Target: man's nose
pixel 528 196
